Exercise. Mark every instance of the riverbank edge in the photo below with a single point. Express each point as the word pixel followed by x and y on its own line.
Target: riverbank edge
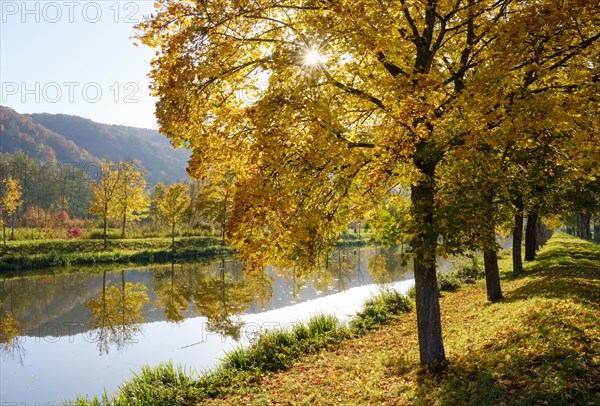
pixel 539 346
pixel 49 254
pixel 125 252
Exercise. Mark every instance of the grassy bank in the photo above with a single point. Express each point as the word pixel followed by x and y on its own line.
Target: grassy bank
pixel 38 254
pixel 539 346
pixel 47 253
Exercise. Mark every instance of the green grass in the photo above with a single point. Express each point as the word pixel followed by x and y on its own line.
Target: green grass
pixel 38 254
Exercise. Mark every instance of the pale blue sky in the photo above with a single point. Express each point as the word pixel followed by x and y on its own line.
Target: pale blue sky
pixel 76 57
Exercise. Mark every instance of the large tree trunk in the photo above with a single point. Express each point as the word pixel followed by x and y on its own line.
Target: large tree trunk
pixel 586 231
pixel 490 259
pixel 530 236
pixel 518 238
pixel 596 229
pixel 431 346
pixel 492 275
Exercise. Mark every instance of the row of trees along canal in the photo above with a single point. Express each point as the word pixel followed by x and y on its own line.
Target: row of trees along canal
pixel 52 195
pixel 460 114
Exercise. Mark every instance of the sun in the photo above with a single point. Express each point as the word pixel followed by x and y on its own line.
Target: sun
pixel 313 57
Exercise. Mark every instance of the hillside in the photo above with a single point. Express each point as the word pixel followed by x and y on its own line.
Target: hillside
pixel 64 138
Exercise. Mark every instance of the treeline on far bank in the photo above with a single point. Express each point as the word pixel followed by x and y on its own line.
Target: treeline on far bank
pixel 54 197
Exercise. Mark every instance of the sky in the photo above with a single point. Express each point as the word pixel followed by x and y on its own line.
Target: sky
pixel 76 57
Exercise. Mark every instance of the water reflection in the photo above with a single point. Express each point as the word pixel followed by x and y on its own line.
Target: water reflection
pixel 115 321
pixel 112 308
pixel 116 314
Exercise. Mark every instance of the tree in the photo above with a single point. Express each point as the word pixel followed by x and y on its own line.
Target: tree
pixel 131 200
pixel 322 107
pixel 10 200
pixel 158 193
pixel 212 198
pixel 104 192
pixel 173 207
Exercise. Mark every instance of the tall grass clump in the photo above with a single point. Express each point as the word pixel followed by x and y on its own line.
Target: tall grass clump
pixel 276 348
pixel 380 310
pixel 163 385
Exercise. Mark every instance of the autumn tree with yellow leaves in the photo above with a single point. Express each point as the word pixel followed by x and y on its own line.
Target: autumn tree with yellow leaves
pixel 321 108
pixel 173 206
pixel 10 200
pixel 104 193
pixel 131 199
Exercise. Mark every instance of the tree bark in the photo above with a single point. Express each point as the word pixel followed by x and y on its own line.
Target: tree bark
pixel 492 275
pixel 123 225
pixel 490 259
pixel 4 249
pixel 517 257
pixel 105 240
pixel 530 236
pixel 586 219
pixel 173 237
pixel 429 327
pixel 12 226
pixel 596 229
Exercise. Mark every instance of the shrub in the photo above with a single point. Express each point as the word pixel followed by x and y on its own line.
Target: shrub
pixel 73 232
pixel 62 217
pixel 448 282
pixel 381 309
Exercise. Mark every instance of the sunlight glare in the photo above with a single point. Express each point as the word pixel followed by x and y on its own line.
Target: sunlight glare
pixel 313 57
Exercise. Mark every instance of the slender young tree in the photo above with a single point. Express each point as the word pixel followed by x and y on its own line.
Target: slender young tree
pixel 173 207
pixel 104 192
pixel 10 200
pixel 131 199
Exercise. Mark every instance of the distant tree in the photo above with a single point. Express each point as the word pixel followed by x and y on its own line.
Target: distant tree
pixel 158 194
pixel 173 206
pixel 131 199
pixel 213 197
pixel 104 191
pixel 10 200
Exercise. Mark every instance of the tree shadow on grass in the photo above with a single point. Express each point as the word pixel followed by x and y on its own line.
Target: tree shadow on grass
pixel 540 357
pixel 568 269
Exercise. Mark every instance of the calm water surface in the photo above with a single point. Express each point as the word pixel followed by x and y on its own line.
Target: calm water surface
pixel 66 334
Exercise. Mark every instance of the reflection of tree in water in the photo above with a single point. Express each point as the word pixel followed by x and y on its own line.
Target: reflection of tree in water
pixel 172 297
pixel 221 296
pixel 294 279
pixel 387 265
pixel 116 314
pixel 219 290
pixel 341 267
pixel 10 329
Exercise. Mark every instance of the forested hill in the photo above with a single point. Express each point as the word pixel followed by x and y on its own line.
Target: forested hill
pixel 64 138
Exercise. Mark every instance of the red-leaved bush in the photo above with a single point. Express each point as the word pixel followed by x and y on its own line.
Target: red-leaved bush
pixel 73 232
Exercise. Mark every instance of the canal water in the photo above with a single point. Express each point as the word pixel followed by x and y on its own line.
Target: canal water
pixel 71 333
